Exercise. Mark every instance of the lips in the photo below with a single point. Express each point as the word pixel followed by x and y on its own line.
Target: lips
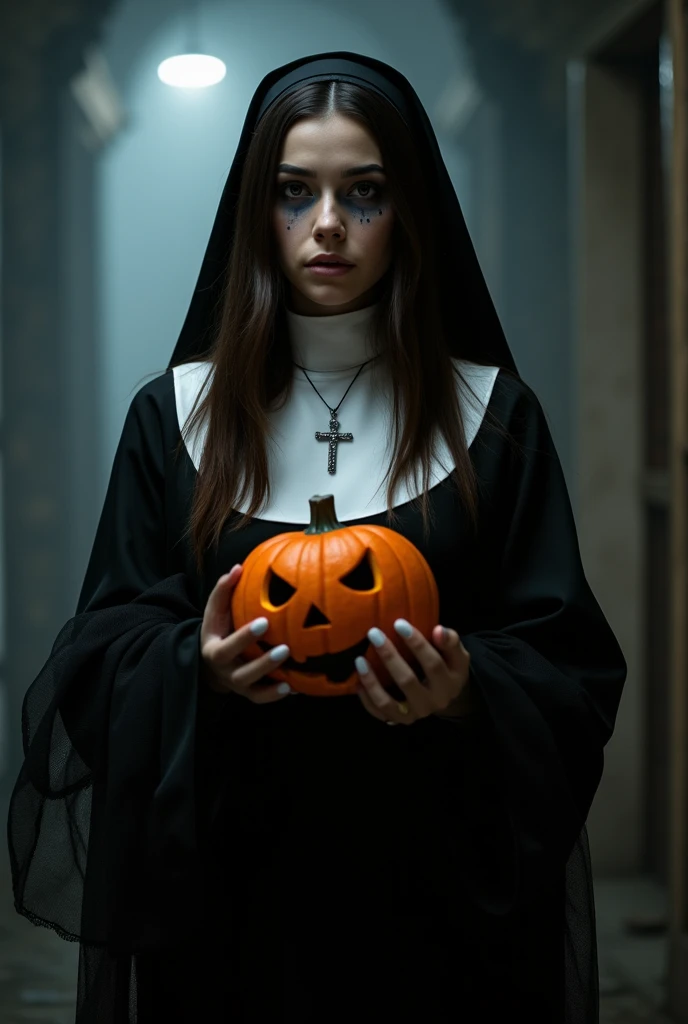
pixel 328 261
pixel 337 667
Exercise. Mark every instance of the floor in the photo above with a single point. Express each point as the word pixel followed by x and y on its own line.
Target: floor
pixel 631 960
pixel 38 970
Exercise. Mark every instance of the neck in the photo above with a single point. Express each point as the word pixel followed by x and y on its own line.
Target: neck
pixel 332 342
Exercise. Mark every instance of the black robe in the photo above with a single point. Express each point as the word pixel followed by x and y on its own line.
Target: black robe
pixel 222 860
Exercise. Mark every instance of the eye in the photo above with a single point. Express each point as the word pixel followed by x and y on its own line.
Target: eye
pixel 287 193
pixel 362 576
pixel 373 190
pixel 279 591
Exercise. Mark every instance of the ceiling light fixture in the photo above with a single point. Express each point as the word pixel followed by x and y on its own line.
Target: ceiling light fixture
pixel 192 70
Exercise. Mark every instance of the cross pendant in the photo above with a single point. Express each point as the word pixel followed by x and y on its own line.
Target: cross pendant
pixel 333 437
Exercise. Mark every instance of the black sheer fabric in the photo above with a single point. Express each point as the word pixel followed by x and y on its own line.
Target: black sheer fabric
pixel 225 859
pixel 50 824
pixel 65 818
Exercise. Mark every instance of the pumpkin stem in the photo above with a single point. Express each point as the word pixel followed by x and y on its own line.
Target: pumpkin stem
pixel 323 515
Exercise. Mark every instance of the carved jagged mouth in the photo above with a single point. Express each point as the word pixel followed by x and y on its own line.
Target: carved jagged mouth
pixel 336 667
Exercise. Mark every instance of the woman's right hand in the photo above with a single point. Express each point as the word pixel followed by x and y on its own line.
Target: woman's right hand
pixel 222 668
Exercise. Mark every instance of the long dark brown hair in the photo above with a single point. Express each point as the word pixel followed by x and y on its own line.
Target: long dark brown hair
pixel 251 369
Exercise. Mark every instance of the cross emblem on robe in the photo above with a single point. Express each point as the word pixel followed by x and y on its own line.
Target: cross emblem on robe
pixel 333 437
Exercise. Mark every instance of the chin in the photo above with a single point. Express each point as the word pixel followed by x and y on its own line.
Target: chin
pixel 329 299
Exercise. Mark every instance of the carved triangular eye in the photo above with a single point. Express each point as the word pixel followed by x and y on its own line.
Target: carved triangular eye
pixel 279 591
pixel 362 576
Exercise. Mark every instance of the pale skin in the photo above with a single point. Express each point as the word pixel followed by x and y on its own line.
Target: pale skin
pixel 221 648
pixel 330 211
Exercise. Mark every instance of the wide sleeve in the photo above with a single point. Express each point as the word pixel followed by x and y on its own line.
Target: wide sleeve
pixel 101 824
pixel 546 676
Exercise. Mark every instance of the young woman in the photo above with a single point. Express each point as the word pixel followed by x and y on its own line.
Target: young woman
pixel 224 850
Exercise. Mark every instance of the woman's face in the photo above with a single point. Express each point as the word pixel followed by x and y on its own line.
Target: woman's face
pixel 321 207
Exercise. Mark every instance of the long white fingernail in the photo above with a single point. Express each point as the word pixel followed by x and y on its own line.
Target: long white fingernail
pixel 376 637
pixel 259 626
pixel 277 653
pixel 362 666
pixel 403 628
pixel 284 688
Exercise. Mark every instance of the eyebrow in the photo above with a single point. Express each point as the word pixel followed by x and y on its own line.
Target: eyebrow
pixel 350 172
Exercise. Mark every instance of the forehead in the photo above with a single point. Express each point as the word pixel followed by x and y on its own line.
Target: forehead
pixel 329 141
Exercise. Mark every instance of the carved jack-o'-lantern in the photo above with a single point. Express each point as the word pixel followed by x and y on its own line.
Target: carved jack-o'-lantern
pixel 323 589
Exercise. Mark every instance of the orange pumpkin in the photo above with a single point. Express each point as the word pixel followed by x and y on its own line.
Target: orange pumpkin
pixel 323 589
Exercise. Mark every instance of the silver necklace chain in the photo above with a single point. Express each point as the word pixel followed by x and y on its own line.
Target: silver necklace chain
pixel 333 436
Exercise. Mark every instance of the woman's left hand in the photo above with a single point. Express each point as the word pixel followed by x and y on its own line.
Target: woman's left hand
pixel 446 667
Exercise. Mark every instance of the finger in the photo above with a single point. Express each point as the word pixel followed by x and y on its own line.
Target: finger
pixel 217 619
pixel 430 659
pixel 245 678
pixel 268 693
pixel 370 707
pixel 401 672
pixel 247 674
pixel 377 700
pixel 452 649
pixel 224 651
pixel 440 666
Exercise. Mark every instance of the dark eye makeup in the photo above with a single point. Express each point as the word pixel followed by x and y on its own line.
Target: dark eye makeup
pixel 374 190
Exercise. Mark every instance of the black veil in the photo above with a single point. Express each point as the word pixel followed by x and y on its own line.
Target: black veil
pixel 474 314
pixel 104 803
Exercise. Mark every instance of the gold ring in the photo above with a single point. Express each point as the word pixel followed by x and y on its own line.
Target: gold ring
pixel 403 708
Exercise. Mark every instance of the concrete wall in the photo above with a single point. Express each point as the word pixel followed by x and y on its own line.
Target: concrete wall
pixel 607 214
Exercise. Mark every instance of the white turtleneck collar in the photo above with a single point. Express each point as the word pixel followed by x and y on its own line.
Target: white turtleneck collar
pixel 337 342
pixel 332 349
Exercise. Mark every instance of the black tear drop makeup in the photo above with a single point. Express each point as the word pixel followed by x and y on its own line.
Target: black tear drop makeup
pixel 295 206
pixel 295 213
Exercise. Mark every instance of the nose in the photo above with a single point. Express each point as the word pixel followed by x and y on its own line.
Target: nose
pixel 328 222
pixel 315 618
